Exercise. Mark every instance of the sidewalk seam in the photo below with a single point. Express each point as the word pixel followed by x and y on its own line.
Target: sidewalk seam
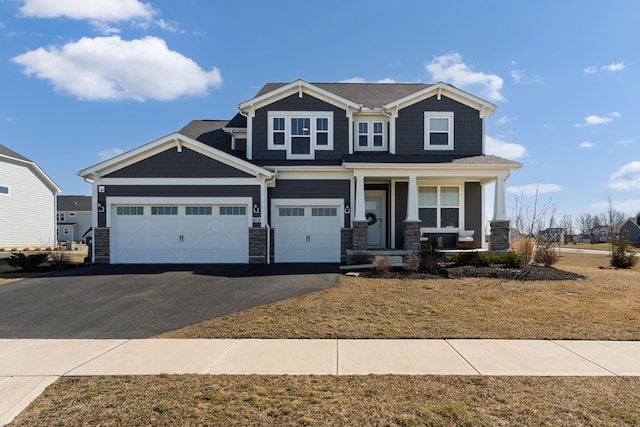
pixel 337 357
pixel 463 358
pixel 558 343
pixel 235 344
pixel 64 374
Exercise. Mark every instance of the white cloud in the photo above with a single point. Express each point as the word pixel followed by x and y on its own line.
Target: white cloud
pixel 504 149
pixel 625 141
pixel 586 144
pixel 503 120
pixel 533 189
pixel 363 80
pixel 618 66
pixel 628 207
pixel 112 152
pixel 594 120
pixel 93 10
pixel 626 178
pixel 450 68
pixel 520 77
pixel 109 68
pixel 591 70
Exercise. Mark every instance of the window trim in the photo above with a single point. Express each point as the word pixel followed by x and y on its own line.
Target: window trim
pixel 438 207
pixel 60 217
pixel 7 193
pixel 371 134
pixel 313 132
pixel 427 131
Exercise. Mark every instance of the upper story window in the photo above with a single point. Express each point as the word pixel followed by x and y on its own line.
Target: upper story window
pixel 439 206
pixel 438 130
pixel 4 190
pixel 301 133
pixel 371 136
pixel 60 216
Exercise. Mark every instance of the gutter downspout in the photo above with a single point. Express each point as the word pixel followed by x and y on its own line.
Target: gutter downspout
pixel 266 220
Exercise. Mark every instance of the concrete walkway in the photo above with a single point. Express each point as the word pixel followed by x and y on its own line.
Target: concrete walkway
pixel 28 366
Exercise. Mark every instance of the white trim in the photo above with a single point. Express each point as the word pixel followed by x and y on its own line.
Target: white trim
pixel 310 202
pixel 297 87
pixel 179 181
pixel 162 144
pixel 36 170
pixel 428 115
pixel 438 207
pixel 191 201
pixel 318 175
pixel 370 134
pixel 287 116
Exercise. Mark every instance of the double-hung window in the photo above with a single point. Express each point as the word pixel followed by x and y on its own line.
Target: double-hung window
pixel 300 133
pixel 438 130
pixel 60 216
pixel 439 206
pixel 371 136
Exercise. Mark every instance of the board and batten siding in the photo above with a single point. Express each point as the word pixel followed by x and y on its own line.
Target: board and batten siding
pixel 28 213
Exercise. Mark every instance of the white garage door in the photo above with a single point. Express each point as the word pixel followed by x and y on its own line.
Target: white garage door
pixel 306 233
pixel 167 233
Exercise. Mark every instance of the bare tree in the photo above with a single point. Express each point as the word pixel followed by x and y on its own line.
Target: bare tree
pixel 613 221
pixel 529 220
pixel 585 222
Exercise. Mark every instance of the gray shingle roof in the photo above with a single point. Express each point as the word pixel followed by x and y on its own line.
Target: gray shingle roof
pixel 371 95
pixel 5 151
pixel 209 132
pixel 74 203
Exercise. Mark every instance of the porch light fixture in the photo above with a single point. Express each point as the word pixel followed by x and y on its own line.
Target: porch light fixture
pixel 347 210
pixel 256 209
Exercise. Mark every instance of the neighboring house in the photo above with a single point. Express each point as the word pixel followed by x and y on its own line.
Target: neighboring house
pixel 553 234
pixel 601 234
pixel 27 203
pixel 305 172
pixel 73 218
pixel 632 227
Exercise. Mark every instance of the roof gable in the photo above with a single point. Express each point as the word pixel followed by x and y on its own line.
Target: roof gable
pixel 179 141
pixel 11 156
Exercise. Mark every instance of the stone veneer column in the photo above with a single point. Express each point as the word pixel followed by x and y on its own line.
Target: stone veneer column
pixel 360 231
pixel 101 244
pixel 412 235
pixel 258 245
pixel 499 240
pixel 346 242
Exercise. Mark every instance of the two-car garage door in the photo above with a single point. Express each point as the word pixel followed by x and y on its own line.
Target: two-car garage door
pixel 179 233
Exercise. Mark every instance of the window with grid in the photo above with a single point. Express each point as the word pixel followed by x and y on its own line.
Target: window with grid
pixel 291 211
pixel 371 136
pixel 198 210
pixel 164 210
pixel 233 210
pixel 129 210
pixel 439 206
pixel 300 134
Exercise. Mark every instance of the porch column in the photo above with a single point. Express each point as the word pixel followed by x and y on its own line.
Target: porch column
pixel 360 223
pixel 412 200
pixel 412 223
pixel 500 224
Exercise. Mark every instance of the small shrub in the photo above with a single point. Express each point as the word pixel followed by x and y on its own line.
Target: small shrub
pixel 487 259
pixel 382 263
pixel 412 262
pixel 26 262
pixel 431 258
pixel 462 258
pixel 60 258
pixel 546 255
pixel 526 248
pixel 623 255
pixel 511 259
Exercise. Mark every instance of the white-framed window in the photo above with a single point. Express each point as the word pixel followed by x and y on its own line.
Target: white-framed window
pixel 198 210
pixel 4 191
pixel 66 231
pixel 130 210
pixel 60 216
pixel 164 210
pixel 438 130
pixel 300 133
pixel 72 214
pixel 371 136
pixel 440 206
pixel 233 210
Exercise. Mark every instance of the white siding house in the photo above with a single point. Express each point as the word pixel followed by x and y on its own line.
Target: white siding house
pixel 27 203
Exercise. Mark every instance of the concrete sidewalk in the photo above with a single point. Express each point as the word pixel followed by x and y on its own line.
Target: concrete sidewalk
pixel 28 366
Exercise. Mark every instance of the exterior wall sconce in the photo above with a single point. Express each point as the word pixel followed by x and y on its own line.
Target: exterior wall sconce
pixel 100 207
pixel 256 209
pixel 347 209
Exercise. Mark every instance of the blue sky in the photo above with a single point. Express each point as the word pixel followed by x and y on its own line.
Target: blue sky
pixel 85 80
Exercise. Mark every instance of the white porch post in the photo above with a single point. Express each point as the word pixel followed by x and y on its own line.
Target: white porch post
pixel 360 214
pixel 412 200
pixel 499 201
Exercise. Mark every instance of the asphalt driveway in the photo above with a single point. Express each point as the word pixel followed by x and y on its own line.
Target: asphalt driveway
pixel 139 301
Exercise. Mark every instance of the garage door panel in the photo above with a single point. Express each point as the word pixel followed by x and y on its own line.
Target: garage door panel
pixel 180 238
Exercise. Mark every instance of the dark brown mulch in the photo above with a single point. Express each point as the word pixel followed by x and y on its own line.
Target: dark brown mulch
pixel 533 272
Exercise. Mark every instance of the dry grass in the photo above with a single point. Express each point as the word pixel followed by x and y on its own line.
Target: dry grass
pixel 604 306
pixel 336 401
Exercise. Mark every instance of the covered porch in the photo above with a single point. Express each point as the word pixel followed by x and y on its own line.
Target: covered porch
pixel 407 206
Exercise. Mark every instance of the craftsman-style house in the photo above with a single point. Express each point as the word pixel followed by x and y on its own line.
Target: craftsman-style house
pixel 306 172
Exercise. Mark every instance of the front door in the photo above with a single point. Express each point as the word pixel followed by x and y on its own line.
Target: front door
pixel 375 203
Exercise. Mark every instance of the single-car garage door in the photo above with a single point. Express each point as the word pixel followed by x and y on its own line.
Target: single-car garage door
pixel 176 233
pixel 306 233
